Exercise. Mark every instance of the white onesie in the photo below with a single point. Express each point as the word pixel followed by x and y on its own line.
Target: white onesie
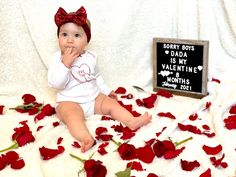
pixel 81 83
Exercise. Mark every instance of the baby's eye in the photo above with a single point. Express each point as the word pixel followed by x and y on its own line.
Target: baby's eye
pixel 77 35
pixel 64 34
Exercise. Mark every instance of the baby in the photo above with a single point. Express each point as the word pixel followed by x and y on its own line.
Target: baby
pixel 81 89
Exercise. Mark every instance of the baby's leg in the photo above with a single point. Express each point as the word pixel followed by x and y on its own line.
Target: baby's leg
pixel 73 116
pixel 108 106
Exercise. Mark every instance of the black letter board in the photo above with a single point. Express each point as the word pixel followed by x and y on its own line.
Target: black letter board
pixel 180 66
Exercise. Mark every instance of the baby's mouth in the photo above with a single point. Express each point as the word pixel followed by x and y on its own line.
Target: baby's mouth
pixel 70 47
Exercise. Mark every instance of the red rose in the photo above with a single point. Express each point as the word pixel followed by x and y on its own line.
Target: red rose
pixel 167 149
pixel 94 168
pixel 127 151
pixel 23 135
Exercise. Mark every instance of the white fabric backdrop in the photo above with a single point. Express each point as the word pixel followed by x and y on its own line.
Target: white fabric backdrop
pixel 122 33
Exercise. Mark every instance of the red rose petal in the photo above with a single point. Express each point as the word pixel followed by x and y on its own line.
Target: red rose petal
pixel 127 133
pixel 218 162
pixel 149 101
pixel 168 115
pixel 215 80
pixel 48 110
pixel 164 93
pixel 33 111
pixel 190 128
pixel 207 106
pixel 135 166
pixel 189 165
pixel 231 118
pixel 209 135
pixel 135 114
pixel 212 150
pixel 3 164
pixel 139 102
pixel 145 154
pixel 231 125
pixel 207 173
pixel 1 109
pixel 232 109
pixel 28 98
pixel 106 118
pixel 230 122
pixel 206 127
pixel 168 145
pixel 104 137
pixel 193 117
pixel 59 140
pixel 48 153
pixel 18 164
pixel 120 90
pixel 55 124
pixel 117 128
pixel 152 175
pixel 10 157
pixel 39 116
pixel 173 153
pixel 100 130
pixel 101 148
pixel 159 148
pixel 39 128
pixel 76 144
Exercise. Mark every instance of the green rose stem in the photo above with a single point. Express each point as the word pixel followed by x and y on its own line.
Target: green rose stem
pixel 116 143
pixel 14 146
pixel 24 107
pixel 81 160
pixel 78 158
pixel 27 107
pixel 183 141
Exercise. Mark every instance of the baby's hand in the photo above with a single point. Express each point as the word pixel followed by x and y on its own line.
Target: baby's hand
pixel 113 95
pixel 69 55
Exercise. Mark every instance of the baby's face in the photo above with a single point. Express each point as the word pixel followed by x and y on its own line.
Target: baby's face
pixel 72 35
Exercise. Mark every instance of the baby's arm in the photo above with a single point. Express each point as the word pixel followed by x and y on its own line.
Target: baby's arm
pixel 58 73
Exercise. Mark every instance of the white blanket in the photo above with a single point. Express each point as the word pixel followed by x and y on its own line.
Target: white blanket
pixel 122 34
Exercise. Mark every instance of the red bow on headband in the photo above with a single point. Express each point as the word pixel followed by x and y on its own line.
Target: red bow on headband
pixel 79 17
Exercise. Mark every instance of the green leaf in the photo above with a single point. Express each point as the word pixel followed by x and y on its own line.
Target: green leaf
pixel 125 173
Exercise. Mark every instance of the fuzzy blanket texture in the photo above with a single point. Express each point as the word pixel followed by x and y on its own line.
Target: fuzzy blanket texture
pixel 122 36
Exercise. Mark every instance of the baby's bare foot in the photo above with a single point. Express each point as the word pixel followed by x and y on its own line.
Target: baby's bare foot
pixel 137 122
pixel 87 143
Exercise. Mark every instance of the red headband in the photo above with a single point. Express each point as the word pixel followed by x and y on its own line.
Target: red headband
pixel 79 17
